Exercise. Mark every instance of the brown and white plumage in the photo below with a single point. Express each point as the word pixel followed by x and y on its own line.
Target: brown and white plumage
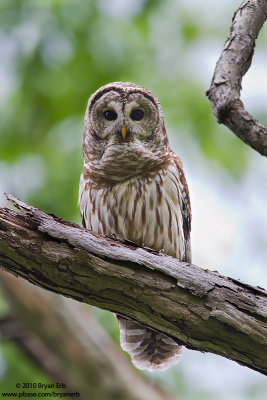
pixel 133 186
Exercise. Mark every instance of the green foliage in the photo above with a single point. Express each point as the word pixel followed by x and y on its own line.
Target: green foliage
pixel 19 372
pixel 62 51
pixel 109 321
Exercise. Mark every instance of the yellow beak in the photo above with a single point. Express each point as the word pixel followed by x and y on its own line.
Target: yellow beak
pixel 123 132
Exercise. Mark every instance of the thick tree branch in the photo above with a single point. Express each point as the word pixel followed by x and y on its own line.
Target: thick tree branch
pixel 235 60
pixel 198 308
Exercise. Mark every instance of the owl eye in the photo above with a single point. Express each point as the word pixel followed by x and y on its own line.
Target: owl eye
pixel 110 115
pixel 137 115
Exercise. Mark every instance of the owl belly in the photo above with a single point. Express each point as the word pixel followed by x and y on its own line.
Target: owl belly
pixel 147 212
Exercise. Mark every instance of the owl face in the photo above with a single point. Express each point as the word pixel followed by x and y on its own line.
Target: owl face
pixel 119 118
pixel 124 131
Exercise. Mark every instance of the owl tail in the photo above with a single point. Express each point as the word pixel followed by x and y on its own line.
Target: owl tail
pixel 149 349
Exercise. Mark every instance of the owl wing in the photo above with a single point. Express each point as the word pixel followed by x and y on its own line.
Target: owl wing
pixel 185 208
pixel 83 200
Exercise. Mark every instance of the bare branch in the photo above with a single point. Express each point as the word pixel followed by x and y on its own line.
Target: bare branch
pixel 235 60
pixel 198 308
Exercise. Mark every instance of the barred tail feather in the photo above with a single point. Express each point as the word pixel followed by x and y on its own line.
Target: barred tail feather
pixel 148 349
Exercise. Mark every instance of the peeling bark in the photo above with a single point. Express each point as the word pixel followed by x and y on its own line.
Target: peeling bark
pixel 235 60
pixel 196 307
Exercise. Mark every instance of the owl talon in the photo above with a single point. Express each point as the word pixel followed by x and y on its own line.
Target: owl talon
pixel 112 236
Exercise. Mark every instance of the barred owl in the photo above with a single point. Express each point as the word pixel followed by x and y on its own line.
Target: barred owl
pixel 133 185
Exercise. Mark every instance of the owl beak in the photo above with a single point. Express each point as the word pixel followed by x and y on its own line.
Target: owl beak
pixel 123 132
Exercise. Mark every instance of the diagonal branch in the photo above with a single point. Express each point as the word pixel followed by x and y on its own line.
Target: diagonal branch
pixel 198 308
pixel 235 60
pixel 67 342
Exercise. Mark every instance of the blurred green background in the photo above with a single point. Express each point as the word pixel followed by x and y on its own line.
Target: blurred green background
pixel 53 55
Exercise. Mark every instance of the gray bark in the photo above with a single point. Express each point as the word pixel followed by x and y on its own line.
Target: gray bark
pixel 235 60
pixel 196 307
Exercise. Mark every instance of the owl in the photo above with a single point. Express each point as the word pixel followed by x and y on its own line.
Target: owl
pixel 133 186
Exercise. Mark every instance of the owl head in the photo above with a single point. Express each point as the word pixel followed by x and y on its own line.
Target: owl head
pixel 124 132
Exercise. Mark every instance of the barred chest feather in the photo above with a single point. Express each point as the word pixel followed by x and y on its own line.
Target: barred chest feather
pixel 146 210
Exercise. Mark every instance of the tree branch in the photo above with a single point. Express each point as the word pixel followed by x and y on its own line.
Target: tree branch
pixel 198 308
pixel 235 60
pixel 12 328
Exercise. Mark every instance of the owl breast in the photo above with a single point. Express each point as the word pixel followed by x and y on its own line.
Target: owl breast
pixel 146 210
